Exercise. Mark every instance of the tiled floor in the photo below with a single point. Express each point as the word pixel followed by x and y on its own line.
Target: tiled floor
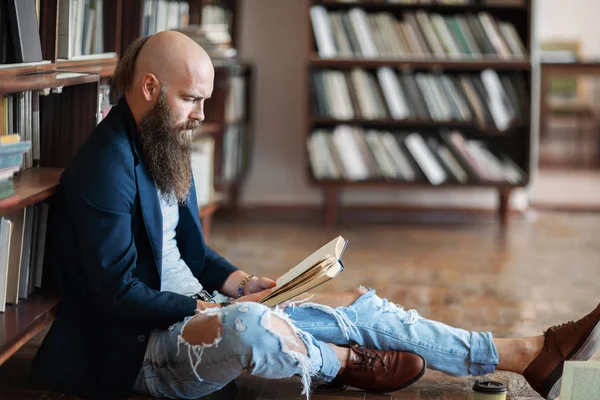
pixel 545 270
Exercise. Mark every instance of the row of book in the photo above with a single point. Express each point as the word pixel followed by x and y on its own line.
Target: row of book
pixel 356 33
pixel 22 246
pixel 19 32
pixel 203 154
pixel 162 15
pixel 441 2
pixel 80 28
pixel 486 98
pixel 21 116
pixel 235 107
pixel 354 154
pixel 424 2
pixel 12 151
pixel 235 152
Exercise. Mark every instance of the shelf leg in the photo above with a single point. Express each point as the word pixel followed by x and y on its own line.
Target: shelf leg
pixel 331 207
pixel 234 198
pixel 504 199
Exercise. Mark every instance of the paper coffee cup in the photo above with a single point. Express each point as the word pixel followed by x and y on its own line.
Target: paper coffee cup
pixel 490 390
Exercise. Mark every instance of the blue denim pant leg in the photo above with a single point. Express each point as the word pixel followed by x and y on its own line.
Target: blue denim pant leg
pixel 173 368
pixel 377 323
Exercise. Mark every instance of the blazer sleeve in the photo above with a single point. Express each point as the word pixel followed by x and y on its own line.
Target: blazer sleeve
pixel 100 202
pixel 216 270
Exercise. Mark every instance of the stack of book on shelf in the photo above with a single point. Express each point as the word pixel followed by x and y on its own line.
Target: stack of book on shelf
pixel 12 151
pixel 22 246
pixel 203 151
pixel 162 15
pixel 487 99
pixel 81 29
pixel 419 33
pixel 355 154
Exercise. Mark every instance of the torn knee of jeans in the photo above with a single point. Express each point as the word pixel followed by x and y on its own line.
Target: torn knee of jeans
pixel 202 329
pixel 285 330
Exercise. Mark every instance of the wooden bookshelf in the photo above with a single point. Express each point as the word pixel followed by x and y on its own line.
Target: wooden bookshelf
pixel 512 141
pixel 20 322
pixel 32 186
pixel 66 93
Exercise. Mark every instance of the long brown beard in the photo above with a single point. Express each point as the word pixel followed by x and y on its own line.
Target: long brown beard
pixel 166 148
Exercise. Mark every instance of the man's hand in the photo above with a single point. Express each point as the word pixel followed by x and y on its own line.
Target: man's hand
pixel 254 297
pixel 203 305
pixel 258 285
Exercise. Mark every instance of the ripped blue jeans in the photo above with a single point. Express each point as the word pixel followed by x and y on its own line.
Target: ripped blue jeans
pixel 173 368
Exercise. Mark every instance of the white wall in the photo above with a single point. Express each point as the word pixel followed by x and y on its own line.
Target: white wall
pixel 570 20
pixel 274 36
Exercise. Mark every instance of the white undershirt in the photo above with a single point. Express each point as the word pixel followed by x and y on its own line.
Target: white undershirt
pixel 176 275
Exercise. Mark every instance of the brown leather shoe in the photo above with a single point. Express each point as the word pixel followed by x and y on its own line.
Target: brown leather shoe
pixel 576 341
pixel 381 371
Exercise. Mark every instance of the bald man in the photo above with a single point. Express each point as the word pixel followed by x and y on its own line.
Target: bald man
pixel 147 306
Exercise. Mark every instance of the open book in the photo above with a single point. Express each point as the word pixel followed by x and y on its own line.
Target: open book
pixel 321 266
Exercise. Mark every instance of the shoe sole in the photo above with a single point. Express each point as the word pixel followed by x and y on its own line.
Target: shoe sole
pixel 584 353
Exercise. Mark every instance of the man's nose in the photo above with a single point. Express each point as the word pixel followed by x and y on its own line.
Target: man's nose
pixel 198 114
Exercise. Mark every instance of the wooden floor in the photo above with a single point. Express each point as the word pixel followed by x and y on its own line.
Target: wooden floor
pixel 543 271
pixel 563 189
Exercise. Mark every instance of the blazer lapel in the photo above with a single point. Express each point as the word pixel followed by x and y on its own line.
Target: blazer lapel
pixel 150 211
pixel 148 195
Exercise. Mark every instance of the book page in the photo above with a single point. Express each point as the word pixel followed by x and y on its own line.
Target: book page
pixel 329 271
pixel 580 380
pixel 330 249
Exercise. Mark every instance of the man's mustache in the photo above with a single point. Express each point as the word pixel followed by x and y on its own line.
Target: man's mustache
pixel 188 125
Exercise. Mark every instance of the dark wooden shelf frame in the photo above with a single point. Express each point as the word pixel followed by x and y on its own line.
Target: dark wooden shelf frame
pixel 32 186
pixel 44 80
pixel 413 123
pixel 378 5
pixel 22 69
pixel 431 64
pixel 20 322
pixel 103 67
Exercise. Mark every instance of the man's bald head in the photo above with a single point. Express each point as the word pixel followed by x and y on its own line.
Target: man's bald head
pixel 170 56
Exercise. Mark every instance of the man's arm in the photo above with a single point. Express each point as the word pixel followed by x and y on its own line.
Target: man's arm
pixel 219 269
pixel 100 199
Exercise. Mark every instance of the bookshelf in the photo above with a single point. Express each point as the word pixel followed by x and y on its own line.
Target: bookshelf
pixel 42 96
pixel 418 94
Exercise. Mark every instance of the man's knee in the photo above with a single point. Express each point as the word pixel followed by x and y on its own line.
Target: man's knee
pixel 202 329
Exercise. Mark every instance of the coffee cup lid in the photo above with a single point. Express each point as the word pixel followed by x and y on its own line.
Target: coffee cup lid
pixel 489 387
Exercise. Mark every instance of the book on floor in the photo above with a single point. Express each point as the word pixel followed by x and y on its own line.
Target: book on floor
pixel 580 380
pixel 316 269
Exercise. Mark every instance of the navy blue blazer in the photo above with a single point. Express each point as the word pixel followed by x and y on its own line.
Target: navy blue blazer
pixel 105 243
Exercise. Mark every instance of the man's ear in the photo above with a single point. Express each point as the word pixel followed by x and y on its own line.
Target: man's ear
pixel 150 87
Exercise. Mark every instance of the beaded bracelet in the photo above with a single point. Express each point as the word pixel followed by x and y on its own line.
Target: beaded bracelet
pixel 243 284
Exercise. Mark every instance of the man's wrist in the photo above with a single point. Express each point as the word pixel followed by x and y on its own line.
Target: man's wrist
pixel 241 290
